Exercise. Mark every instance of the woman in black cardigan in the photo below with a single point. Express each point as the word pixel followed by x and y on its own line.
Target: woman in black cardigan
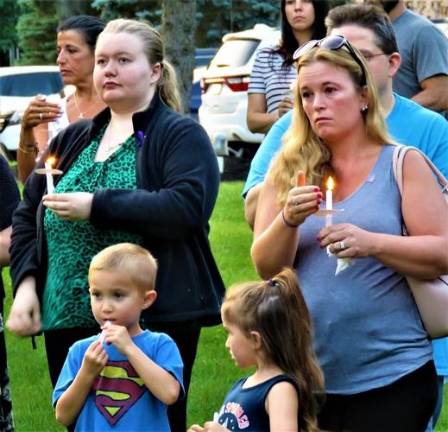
pixel 137 172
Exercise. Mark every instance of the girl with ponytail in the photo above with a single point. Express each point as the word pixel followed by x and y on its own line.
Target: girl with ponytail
pixel 269 327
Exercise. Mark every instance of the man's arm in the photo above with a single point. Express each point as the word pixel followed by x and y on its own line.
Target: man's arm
pixel 434 93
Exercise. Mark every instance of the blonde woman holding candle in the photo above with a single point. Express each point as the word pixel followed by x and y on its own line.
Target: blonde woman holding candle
pixel 370 342
pixel 137 172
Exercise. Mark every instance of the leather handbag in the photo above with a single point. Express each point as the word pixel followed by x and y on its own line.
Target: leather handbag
pixel 431 296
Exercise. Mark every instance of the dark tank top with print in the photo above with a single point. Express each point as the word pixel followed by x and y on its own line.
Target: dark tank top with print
pixel 244 408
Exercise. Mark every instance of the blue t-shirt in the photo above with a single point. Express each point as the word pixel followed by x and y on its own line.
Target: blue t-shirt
pixel 408 123
pixel 244 408
pixel 424 52
pixel 119 400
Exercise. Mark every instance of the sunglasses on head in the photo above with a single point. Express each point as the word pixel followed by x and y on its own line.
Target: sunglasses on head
pixel 332 43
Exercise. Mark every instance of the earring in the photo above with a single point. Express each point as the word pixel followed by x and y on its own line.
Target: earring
pixel 364 108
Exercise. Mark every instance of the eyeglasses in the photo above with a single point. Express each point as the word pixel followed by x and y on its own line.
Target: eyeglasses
pixel 332 43
pixel 368 57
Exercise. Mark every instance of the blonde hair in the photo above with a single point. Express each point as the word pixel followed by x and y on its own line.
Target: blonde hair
pixel 302 148
pixel 277 310
pixel 154 50
pixel 129 258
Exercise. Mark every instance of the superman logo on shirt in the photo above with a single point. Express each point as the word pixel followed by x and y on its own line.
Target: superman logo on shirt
pixel 117 388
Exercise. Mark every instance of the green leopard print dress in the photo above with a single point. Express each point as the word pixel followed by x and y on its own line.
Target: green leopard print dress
pixel 72 244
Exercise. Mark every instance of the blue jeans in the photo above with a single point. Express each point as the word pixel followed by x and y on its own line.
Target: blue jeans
pixel 438 408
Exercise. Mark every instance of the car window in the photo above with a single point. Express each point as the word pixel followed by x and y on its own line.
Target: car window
pixel 234 52
pixel 30 84
pixel 202 56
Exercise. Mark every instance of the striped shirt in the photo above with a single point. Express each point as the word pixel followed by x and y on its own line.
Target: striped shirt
pixel 268 77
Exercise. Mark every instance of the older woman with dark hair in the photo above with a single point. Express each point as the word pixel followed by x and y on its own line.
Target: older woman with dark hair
pixel 45 118
pixel 370 341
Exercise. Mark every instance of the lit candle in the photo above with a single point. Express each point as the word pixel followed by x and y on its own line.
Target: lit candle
pixel 48 168
pixel 329 200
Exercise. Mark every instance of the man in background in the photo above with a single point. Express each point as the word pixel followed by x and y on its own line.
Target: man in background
pixel 423 74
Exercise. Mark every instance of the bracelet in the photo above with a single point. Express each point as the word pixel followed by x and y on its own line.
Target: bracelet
pixel 33 151
pixel 288 224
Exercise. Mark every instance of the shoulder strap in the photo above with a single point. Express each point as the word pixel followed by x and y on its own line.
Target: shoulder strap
pixel 397 162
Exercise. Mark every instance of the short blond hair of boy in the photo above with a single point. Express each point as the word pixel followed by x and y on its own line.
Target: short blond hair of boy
pixel 132 259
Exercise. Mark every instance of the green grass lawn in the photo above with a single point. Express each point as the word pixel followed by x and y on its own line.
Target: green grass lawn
pixel 214 372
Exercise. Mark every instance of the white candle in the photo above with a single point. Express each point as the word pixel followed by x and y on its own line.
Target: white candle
pixel 103 335
pixel 48 168
pixel 329 200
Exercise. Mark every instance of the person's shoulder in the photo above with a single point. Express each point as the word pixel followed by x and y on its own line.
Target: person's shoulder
pixel 268 54
pixel 412 17
pixel 421 25
pixel 156 338
pixel 410 110
pixel 75 129
pixel 177 126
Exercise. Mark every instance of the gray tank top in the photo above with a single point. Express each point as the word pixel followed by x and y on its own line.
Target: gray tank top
pixel 368 332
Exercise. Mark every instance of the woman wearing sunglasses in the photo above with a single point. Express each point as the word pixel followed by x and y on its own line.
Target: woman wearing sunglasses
pixel 369 339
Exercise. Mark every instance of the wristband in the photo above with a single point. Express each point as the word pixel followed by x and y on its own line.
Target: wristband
pixel 288 224
pixel 27 151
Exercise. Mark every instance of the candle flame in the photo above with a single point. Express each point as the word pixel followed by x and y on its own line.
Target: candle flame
pixel 50 161
pixel 330 183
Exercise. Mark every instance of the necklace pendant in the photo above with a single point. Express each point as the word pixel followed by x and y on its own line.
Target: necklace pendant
pixel 81 116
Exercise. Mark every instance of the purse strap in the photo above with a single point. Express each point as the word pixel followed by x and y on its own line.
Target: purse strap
pixel 397 164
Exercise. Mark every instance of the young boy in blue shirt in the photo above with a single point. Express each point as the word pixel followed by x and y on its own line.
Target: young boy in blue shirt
pixel 123 379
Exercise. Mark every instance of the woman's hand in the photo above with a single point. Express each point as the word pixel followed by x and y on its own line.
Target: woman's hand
pixel 95 358
pixel 72 206
pixel 346 241
pixel 285 105
pixel 24 317
pixel 40 111
pixel 302 201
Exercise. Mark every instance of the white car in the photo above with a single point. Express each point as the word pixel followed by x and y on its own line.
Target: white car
pixel 18 86
pixel 224 85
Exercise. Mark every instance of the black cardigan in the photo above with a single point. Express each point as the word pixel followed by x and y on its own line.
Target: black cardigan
pixel 177 186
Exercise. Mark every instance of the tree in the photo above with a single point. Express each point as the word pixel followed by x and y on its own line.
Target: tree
pixel 149 10
pixel 36 29
pixel 68 8
pixel 178 30
pixel 8 34
pixel 234 15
